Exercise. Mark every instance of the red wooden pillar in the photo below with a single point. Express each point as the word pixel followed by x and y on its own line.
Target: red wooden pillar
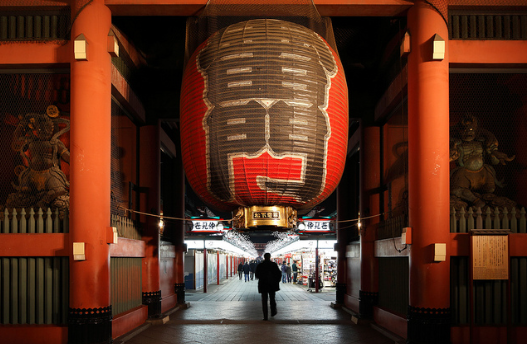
pixel 179 235
pixel 205 268
pixel 90 313
pixel 227 266
pixel 218 267
pixel 341 246
pixel 150 203
pixel 317 272
pixel 369 205
pixel 428 117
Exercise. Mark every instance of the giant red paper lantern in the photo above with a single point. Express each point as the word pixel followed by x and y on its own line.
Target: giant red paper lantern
pixel 264 117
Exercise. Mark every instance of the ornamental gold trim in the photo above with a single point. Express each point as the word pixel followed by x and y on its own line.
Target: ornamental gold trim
pixel 257 216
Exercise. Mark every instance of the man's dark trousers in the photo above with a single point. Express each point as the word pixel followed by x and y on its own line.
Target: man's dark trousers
pixel 264 301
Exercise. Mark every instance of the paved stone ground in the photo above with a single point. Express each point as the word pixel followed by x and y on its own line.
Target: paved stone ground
pixel 231 313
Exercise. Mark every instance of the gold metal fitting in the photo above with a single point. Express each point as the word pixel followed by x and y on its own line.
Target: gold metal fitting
pixel 263 215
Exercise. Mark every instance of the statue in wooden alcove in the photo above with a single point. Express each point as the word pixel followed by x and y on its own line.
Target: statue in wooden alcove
pixel 41 182
pixel 473 181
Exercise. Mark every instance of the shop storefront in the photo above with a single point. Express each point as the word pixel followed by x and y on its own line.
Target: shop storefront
pixel 315 260
pixel 219 263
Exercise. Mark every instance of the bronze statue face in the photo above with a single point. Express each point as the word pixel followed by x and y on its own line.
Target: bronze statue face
pixel 468 127
pixel 41 125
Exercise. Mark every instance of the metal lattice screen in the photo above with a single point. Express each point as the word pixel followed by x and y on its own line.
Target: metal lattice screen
pixel 123 161
pixel 34 140
pixel 123 177
pixel 498 104
pixel 494 106
pixel 395 164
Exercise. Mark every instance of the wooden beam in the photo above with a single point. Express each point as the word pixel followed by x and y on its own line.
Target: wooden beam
pixel 394 94
pixel 465 53
pixel 129 320
pixel 460 244
pixel 389 248
pixel 122 91
pixel 390 321
pixel 34 245
pixel 128 248
pixel 35 54
pixel 35 334
pixel 326 8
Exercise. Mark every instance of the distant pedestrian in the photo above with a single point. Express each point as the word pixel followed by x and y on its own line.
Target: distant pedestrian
pixel 246 269
pixel 253 265
pixel 289 273
pixel 284 272
pixel 240 270
pixel 269 277
pixel 295 271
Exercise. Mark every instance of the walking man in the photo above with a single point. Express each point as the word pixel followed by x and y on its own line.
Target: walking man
pixel 269 277
pixel 239 270
pixel 284 271
pixel 253 265
pixel 246 270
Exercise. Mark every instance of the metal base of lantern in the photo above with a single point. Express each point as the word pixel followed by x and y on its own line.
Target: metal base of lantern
pixel 269 216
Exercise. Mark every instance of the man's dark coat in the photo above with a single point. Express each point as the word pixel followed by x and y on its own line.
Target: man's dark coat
pixel 269 276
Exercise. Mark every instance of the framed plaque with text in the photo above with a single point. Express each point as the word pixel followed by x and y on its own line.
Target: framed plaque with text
pixel 490 255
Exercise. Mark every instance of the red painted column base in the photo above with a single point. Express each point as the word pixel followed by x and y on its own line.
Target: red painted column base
pixel 129 320
pixel 30 334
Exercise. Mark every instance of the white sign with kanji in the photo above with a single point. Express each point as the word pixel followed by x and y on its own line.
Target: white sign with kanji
pixel 205 226
pixel 317 226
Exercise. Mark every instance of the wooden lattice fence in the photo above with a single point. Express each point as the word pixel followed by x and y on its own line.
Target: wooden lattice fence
pixel 33 221
pixel 463 221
